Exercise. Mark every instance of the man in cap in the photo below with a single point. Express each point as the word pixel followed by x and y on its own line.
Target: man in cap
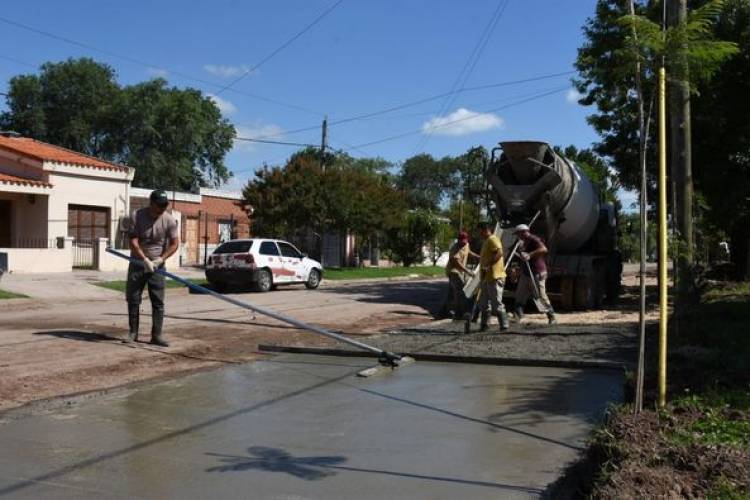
pixel 456 270
pixel 534 252
pixel 492 266
pixel 153 239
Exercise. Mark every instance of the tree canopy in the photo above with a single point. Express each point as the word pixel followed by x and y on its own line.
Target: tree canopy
pixel 168 134
pixel 720 129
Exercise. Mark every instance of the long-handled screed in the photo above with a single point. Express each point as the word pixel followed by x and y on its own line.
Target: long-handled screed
pixel 385 358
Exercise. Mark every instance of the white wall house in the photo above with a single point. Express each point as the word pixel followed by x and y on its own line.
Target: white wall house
pixel 56 205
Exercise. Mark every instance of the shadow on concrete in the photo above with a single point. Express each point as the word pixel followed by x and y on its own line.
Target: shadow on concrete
pixel 542 403
pixel 62 471
pixel 315 468
pixel 428 295
pixel 492 425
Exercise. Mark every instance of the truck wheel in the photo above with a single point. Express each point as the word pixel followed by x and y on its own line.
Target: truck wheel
pixel 313 280
pixel 265 281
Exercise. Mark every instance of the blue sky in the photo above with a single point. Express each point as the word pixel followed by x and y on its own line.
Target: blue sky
pixel 363 56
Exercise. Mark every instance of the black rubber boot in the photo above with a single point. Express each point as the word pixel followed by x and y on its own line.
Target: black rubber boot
pixel 133 321
pixel 484 322
pixel 502 318
pixel 551 317
pixel 518 312
pixel 157 320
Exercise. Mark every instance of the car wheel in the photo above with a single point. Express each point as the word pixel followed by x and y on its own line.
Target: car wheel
pixel 313 280
pixel 219 287
pixel 265 281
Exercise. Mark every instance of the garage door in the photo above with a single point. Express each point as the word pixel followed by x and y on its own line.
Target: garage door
pixel 88 223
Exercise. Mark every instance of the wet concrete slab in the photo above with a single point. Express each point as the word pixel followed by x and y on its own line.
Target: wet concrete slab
pixel 303 426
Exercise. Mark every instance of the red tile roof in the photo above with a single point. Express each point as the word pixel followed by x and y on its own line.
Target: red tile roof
pixel 48 152
pixel 22 181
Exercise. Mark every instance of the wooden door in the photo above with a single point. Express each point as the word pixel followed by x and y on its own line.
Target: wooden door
pixel 191 240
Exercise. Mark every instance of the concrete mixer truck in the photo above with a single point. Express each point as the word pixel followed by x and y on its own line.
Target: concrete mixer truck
pixel 527 180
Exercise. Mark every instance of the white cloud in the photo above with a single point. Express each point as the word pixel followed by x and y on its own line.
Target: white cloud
pixel 226 107
pixel 158 72
pixel 225 71
pixel 573 96
pixel 462 122
pixel 236 183
pixel 259 130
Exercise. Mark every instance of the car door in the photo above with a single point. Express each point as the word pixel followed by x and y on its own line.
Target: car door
pixel 292 259
pixel 270 257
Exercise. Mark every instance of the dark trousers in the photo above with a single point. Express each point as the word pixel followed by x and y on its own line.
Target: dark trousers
pixel 138 279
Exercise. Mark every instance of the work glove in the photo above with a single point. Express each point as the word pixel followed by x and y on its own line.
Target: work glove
pixel 524 256
pixel 157 262
pixel 148 266
pixel 471 273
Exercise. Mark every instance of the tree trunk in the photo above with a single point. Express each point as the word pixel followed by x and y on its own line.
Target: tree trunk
pixel 679 118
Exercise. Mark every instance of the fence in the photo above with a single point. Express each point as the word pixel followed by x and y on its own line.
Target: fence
pixel 34 243
pixel 201 235
pixel 85 253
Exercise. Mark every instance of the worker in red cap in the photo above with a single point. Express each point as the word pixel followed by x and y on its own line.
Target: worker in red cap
pixel 457 273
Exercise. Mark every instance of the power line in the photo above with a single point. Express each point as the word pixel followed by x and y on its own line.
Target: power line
pixel 146 64
pixel 18 61
pixel 414 132
pixel 417 102
pixel 281 47
pixel 471 63
pixel 282 143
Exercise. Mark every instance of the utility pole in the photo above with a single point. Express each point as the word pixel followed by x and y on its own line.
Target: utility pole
pixel 323 146
pixel 681 157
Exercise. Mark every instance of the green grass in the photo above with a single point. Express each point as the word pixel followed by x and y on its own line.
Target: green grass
pixel 357 273
pixel 10 295
pixel 119 285
pixel 721 419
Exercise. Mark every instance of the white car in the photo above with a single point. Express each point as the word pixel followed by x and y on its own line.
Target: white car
pixel 262 263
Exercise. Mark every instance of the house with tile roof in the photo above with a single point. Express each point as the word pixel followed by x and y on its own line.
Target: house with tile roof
pixel 54 201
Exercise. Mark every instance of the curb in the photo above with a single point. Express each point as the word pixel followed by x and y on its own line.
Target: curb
pixel 452 358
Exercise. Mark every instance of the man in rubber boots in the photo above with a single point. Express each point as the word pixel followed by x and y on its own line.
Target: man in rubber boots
pixel 456 270
pixel 534 252
pixel 492 269
pixel 153 239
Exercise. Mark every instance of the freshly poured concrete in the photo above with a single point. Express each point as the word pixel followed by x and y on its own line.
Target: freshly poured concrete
pixel 303 426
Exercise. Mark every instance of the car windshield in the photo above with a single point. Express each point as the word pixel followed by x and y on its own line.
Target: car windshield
pixel 235 247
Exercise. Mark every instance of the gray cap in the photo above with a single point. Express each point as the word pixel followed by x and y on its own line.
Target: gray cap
pixel 159 197
pixel 521 227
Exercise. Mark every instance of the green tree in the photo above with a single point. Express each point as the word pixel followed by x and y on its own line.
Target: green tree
pixel 348 196
pixel 405 243
pixel 606 80
pixel 173 137
pixel 67 104
pixel 426 180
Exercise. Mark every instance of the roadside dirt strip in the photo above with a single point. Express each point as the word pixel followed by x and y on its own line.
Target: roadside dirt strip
pixel 59 348
pixel 66 347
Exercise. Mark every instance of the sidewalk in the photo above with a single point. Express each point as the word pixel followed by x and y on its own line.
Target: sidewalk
pixel 72 286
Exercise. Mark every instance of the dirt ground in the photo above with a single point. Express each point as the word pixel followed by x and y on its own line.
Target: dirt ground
pixel 59 348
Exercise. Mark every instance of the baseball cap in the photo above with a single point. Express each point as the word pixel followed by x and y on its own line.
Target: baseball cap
pixel 521 227
pixel 159 197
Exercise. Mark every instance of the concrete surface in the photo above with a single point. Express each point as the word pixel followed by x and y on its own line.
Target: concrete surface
pixel 302 426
